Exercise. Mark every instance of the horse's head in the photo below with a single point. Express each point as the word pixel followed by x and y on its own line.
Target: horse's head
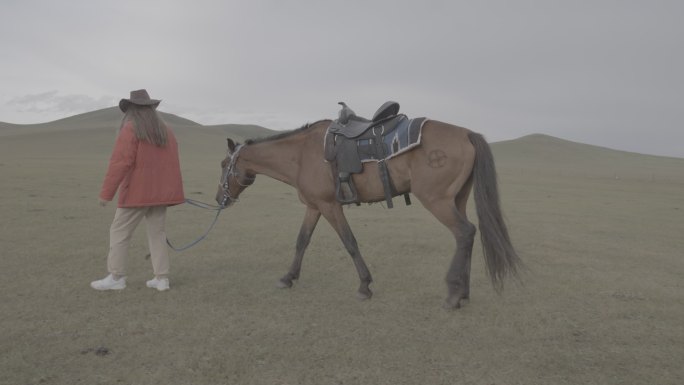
pixel 234 178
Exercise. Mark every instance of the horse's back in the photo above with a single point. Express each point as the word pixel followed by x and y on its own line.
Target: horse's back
pixel 444 161
pixel 440 134
pixel 441 163
pixel 443 148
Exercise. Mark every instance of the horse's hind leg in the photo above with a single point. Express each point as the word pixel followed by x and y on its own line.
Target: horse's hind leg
pixel 334 214
pixel 308 225
pixel 458 275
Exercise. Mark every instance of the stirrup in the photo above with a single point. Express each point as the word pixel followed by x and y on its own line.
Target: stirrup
pixel 346 192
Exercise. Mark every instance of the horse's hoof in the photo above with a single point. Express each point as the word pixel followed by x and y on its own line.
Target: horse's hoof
pixel 452 304
pixel 284 283
pixel 364 295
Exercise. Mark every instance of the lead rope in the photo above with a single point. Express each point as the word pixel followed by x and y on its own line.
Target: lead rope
pixel 205 206
pixel 227 173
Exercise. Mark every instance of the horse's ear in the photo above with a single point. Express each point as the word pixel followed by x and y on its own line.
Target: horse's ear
pixel 231 145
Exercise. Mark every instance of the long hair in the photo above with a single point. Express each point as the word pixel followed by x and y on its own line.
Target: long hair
pixel 147 124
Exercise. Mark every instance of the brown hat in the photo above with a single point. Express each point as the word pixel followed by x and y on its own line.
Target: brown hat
pixel 139 97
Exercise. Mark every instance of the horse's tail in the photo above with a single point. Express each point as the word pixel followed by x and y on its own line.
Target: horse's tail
pixel 500 257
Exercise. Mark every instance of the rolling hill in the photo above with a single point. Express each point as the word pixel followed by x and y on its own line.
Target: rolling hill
pixel 110 118
pixel 536 154
pixel 546 154
pixel 105 118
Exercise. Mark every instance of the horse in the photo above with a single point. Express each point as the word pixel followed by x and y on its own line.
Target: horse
pixel 440 172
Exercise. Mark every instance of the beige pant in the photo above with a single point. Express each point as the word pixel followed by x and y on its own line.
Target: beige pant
pixel 121 231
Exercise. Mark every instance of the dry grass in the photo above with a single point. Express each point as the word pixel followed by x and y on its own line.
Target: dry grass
pixel 601 300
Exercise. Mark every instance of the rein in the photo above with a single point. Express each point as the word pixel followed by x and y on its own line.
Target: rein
pixel 205 206
pixel 226 201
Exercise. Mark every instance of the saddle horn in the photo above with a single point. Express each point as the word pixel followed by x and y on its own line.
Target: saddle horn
pixel 345 113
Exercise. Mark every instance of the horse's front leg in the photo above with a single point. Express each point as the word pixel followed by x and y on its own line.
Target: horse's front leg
pixel 334 214
pixel 308 225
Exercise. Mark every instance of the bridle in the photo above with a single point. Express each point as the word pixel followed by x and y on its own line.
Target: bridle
pixel 230 171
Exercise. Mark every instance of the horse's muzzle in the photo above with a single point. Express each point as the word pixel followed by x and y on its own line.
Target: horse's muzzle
pixel 222 197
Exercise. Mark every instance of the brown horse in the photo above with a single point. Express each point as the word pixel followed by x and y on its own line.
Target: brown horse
pixel 440 172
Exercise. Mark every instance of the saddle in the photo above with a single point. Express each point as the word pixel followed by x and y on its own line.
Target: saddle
pixel 350 125
pixel 352 140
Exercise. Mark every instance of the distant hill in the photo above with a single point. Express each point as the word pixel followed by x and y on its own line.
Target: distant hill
pixel 110 118
pixel 537 153
pixel 550 155
pixel 105 118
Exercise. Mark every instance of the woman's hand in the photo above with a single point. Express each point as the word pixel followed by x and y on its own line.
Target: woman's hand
pixel 103 202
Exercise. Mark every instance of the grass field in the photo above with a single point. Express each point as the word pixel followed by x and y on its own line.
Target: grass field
pixel 601 299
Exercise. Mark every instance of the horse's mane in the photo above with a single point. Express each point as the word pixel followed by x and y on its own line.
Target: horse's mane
pixel 285 134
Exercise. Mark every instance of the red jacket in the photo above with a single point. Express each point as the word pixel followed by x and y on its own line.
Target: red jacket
pixel 144 174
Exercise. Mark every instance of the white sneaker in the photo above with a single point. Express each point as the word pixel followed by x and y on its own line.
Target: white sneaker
pixel 159 284
pixel 109 283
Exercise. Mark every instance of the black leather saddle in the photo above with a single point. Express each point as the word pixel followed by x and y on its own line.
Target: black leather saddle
pixel 350 125
pixel 351 137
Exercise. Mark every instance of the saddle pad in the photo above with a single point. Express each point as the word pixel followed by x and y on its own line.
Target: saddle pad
pixel 403 138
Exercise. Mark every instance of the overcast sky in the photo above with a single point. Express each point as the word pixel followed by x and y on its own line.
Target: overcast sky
pixel 609 73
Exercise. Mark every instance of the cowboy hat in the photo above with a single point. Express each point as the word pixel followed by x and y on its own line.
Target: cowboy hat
pixel 140 98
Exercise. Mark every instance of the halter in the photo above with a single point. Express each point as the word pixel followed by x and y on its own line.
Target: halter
pixel 231 171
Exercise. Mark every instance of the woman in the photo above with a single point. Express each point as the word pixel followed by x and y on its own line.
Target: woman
pixel 145 169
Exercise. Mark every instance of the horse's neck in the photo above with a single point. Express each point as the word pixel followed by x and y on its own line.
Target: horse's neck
pixel 278 159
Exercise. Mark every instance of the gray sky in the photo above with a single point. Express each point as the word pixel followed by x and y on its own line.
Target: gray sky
pixel 608 73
